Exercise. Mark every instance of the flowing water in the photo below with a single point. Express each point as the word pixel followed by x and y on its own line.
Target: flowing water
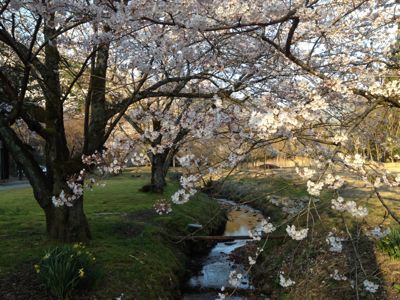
pixel 217 265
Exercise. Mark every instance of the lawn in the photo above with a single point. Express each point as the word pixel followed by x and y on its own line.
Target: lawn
pixel 132 244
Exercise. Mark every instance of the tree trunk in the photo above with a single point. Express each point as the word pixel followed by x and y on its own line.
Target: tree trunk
pixel 67 224
pixel 95 138
pixel 159 169
pixel 4 162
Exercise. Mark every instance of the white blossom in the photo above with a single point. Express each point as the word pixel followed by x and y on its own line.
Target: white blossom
pixel 379 233
pixel 358 212
pixel 306 173
pixel 254 234
pixel 5 107
pixel 337 276
pixel 339 204
pixel 251 261
pixel 314 188
pixel 235 278
pixel 221 296
pixel 297 235
pixel 162 207
pixel 180 197
pixel 349 206
pixel 334 242
pixel 285 282
pixel 370 286
pixel 189 182
pixel 186 161
pixel 267 227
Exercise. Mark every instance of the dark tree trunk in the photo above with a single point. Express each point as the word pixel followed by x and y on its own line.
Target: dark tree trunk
pixel 159 169
pixel 95 138
pixel 67 224
pixel 4 162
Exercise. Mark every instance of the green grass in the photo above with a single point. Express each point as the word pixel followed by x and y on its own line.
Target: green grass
pixel 391 243
pixel 131 242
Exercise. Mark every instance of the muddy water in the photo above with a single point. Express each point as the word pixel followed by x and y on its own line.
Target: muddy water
pixel 217 265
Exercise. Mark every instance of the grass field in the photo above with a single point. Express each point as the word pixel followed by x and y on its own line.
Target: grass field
pixel 130 241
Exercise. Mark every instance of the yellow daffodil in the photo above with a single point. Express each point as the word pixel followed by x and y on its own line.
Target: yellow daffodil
pixel 81 273
pixel 37 268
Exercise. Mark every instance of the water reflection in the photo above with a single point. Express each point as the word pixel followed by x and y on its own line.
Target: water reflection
pixel 241 220
pixel 218 265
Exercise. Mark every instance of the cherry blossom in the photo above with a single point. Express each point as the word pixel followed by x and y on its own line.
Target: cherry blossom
pixel 297 235
pixel 350 206
pixel 285 282
pixel 378 232
pixel 370 286
pixel 337 276
pixel 334 242
pixel 235 278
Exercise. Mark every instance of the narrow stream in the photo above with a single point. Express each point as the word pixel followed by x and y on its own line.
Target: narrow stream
pixel 217 265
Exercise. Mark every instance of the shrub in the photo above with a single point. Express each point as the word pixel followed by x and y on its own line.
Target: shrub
pixel 66 268
pixel 391 243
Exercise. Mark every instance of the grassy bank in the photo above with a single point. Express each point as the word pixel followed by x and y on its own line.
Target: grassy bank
pixel 309 262
pixel 132 244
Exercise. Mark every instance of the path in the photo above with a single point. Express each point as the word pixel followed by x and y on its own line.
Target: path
pixel 14 185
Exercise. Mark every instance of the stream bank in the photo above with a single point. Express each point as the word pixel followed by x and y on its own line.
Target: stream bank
pixel 309 263
pixel 214 273
pixel 263 273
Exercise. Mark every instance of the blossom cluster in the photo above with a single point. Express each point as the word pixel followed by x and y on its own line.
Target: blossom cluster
pixel 187 160
pixel 291 206
pixel 334 242
pixel 337 276
pixel 5 108
pixel 285 282
pixel 235 278
pixel 378 232
pixel 74 191
pixel 370 286
pixel 182 196
pixel 314 188
pixel 162 207
pixel 350 206
pixel 297 235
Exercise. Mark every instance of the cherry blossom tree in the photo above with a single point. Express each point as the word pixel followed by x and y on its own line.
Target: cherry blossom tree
pixel 164 126
pixel 106 56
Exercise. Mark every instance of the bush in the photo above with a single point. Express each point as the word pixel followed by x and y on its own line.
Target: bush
pixel 66 268
pixel 391 243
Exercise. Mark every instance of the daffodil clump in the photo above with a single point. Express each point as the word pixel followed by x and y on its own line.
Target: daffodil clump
pixel 66 268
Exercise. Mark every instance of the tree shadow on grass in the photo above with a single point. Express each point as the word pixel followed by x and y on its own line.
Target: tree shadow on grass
pixel 23 283
pixel 362 265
